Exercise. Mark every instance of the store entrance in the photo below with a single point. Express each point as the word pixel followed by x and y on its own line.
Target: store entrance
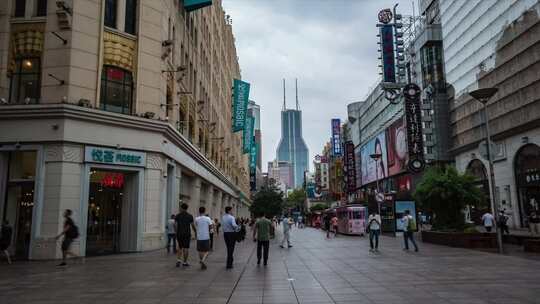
pixel 106 198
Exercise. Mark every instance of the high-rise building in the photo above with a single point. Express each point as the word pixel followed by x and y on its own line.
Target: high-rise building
pixel 292 147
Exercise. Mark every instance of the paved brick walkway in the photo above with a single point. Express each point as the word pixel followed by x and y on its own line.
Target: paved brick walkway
pixel 315 270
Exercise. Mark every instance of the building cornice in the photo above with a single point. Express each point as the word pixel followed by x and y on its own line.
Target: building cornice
pixel 48 111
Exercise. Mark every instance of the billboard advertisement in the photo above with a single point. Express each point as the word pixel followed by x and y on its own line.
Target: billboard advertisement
pixel 240 103
pixel 396 136
pixel 372 169
pixel 336 137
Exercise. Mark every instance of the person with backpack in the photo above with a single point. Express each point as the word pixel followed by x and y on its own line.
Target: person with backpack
pixel 502 222
pixel 5 239
pixel 70 233
pixel 409 226
pixel 374 230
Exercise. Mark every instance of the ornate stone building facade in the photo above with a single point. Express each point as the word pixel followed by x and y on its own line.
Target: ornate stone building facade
pixel 119 110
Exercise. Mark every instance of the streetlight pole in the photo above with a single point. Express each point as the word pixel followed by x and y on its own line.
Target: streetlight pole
pixel 376 157
pixel 483 96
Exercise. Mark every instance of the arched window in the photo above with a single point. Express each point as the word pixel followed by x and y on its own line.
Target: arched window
pixel 477 169
pixel 527 172
pixel 25 81
pixel 116 90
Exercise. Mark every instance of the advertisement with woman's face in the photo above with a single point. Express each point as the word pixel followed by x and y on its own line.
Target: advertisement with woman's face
pixel 372 169
pixel 397 147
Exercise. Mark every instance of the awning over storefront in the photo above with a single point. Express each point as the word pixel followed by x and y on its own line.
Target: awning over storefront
pixel 191 5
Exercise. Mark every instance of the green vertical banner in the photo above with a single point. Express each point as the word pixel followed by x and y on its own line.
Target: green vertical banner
pixel 248 134
pixel 240 104
pixel 253 154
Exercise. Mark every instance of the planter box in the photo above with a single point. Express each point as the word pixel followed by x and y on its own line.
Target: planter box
pixel 460 239
pixel 531 245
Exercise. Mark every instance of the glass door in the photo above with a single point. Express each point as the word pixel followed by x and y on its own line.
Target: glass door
pixel 104 212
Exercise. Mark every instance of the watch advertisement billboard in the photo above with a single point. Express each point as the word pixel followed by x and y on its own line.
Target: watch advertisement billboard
pixel 396 136
pixel 373 169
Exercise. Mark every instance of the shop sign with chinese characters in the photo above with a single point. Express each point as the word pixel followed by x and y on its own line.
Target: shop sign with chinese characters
pixel 413 117
pixel 114 156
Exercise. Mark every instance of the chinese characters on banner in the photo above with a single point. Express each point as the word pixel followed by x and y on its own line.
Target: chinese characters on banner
pixel 336 137
pixel 413 117
pixel 248 139
pixel 240 104
pixel 350 166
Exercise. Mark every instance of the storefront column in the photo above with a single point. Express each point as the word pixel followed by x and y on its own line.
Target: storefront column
pixel 195 194
pixel 209 198
pixel 218 203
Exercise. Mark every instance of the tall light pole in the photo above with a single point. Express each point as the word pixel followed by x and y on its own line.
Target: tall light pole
pixel 376 157
pixel 483 96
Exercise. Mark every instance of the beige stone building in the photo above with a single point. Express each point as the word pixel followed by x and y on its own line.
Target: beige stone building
pixel 118 110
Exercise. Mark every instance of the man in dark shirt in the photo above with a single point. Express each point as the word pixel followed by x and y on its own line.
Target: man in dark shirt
pixel 70 233
pixel 184 223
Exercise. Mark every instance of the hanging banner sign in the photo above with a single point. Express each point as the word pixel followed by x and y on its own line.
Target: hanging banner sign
pixel 253 155
pixel 192 5
pixel 413 116
pixel 387 49
pixel 350 166
pixel 240 104
pixel 253 179
pixel 336 137
pixel 248 134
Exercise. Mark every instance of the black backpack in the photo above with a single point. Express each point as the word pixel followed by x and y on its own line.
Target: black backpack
pixel 73 231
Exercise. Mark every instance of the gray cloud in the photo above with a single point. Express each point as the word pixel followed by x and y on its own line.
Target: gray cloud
pixel 329 45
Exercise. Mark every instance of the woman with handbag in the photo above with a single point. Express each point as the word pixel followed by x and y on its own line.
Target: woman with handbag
pixel 374 229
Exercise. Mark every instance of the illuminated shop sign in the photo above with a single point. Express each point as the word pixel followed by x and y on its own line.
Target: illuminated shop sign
pixel 114 156
pixel 413 117
pixel 336 137
pixel 350 166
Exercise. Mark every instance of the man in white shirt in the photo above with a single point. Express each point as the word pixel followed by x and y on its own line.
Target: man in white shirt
pixel 287 223
pixel 203 224
pixel 488 220
pixel 374 227
pixel 230 230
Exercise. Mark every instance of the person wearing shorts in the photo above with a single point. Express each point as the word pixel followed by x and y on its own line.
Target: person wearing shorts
pixel 70 232
pixel 204 224
pixel 184 223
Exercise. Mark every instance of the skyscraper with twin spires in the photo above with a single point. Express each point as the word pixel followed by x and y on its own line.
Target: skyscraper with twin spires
pixel 292 147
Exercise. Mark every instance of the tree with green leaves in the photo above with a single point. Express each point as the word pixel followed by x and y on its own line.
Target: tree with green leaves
pixel 445 192
pixel 296 198
pixel 318 207
pixel 269 201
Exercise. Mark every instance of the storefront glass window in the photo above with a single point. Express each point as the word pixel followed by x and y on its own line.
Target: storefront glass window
pixel 25 81
pixel 527 172
pixel 116 90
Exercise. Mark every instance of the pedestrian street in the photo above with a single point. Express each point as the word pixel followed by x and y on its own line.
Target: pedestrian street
pixel 315 270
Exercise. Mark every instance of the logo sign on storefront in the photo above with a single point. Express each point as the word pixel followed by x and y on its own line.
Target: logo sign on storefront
pixel 387 49
pixel 350 166
pixel 240 104
pixel 385 16
pixel 336 137
pixel 114 156
pixel 413 117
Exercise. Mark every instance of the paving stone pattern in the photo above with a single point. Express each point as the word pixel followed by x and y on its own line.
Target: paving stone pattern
pixel 316 270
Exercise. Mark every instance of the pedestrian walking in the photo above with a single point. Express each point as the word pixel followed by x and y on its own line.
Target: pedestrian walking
pixel 502 223
pixel 217 225
pixel 326 221
pixel 261 234
pixel 488 220
pixel 6 234
pixel 230 234
pixel 171 234
pixel 212 232
pixel 409 226
pixel 184 224
pixel 203 224
pixel 374 229
pixel 534 223
pixel 243 230
pixel 287 223
pixel 335 225
pixel 70 233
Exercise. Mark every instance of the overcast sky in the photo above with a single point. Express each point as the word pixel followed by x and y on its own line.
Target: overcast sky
pixel 329 45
